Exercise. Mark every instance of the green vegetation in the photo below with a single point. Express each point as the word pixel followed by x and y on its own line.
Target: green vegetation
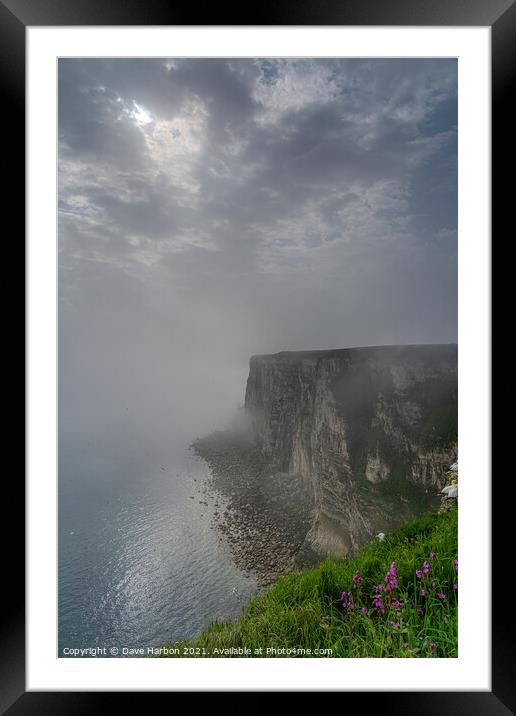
pixel 388 492
pixel 437 399
pixel 396 598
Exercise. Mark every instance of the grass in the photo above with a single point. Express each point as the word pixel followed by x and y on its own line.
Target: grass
pixel 304 612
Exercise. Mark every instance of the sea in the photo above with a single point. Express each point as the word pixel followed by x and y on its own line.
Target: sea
pixel 140 562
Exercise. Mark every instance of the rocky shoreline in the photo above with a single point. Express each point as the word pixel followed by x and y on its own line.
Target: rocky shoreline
pixel 262 515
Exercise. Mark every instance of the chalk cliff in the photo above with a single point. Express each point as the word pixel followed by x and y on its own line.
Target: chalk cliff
pixel 370 431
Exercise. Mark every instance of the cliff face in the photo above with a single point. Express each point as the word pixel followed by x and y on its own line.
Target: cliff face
pixel 372 431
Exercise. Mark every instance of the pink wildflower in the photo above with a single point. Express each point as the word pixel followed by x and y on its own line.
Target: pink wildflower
pixel 379 606
pixel 357 580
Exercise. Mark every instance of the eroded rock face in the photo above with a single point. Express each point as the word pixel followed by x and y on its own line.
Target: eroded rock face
pixel 372 430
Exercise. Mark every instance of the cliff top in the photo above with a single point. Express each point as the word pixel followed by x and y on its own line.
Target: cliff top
pixel 370 351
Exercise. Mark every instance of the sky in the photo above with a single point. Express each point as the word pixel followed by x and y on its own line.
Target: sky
pixel 213 209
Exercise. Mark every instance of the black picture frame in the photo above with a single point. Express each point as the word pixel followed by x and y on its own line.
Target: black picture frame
pixel 15 17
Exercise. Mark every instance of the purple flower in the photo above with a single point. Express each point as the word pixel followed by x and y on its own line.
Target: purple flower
pixel 364 610
pixel 421 638
pixel 426 568
pixel 455 586
pixel 433 555
pixel 456 563
pixel 378 589
pixel 440 595
pixel 379 606
pixel 424 593
pixel 419 573
pixel 432 647
pixel 347 601
pixel 421 612
pixel 395 625
pixel 405 644
pixel 392 576
pixel 357 580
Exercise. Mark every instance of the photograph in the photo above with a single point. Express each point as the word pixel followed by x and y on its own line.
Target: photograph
pixel 257 336
pixel 258 327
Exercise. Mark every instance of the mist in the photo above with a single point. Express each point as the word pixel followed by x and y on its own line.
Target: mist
pixel 214 209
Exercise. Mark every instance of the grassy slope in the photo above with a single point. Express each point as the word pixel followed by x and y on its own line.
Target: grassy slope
pixel 304 609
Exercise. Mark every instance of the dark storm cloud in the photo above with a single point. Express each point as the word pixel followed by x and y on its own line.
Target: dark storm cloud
pixel 211 209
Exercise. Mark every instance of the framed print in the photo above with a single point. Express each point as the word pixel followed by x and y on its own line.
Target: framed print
pixel 258 302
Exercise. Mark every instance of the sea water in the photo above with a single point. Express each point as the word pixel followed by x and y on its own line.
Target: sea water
pixel 140 563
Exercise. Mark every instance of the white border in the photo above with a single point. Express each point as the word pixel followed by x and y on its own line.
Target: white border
pixel 471 671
